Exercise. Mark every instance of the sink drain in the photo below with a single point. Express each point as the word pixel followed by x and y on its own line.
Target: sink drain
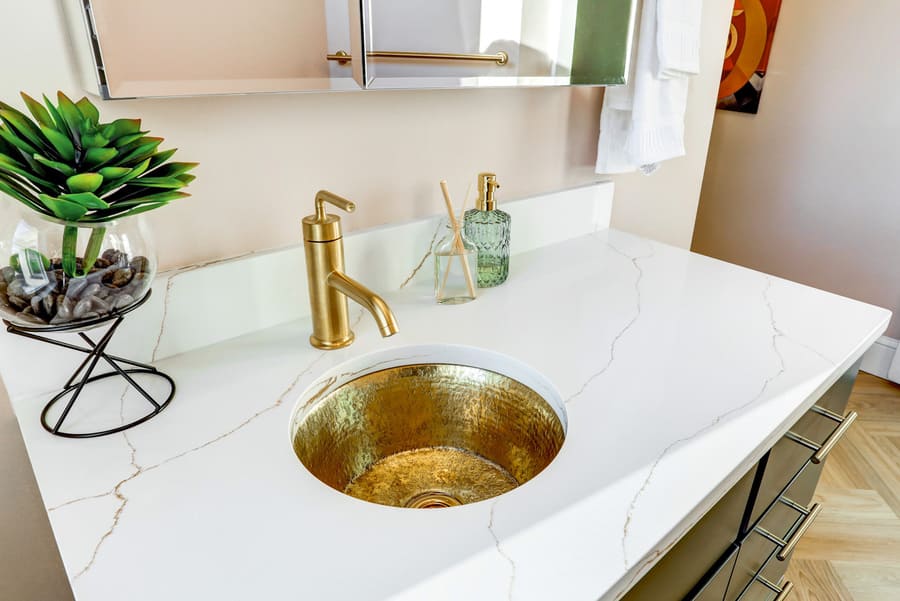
pixel 432 500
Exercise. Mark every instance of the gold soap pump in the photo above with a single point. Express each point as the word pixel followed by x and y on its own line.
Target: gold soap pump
pixel 487 184
pixel 329 287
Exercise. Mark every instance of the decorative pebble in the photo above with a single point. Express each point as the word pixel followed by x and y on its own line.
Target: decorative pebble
pixel 36 305
pixel 17 302
pixel 83 306
pixel 91 290
pixel 8 274
pixel 29 318
pixel 90 315
pixel 49 302
pixel 76 285
pixel 123 301
pixel 100 306
pixel 16 288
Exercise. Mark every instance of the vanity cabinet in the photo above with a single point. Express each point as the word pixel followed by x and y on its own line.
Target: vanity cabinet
pixel 739 551
pixel 159 48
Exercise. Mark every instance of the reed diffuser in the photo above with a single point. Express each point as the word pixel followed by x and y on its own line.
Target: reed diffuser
pixel 455 259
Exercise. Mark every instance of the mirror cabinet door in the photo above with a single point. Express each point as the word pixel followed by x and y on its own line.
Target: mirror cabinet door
pixel 490 43
pixel 144 48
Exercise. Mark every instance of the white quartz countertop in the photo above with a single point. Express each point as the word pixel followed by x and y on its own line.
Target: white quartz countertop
pixel 677 372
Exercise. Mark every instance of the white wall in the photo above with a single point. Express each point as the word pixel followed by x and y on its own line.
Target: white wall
pixel 807 189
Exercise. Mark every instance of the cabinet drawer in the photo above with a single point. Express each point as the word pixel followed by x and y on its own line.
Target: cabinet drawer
pixel 717 584
pixel 765 551
pixel 788 457
pixel 696 557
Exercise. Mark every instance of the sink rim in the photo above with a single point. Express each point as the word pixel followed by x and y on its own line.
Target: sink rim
pixel 445 354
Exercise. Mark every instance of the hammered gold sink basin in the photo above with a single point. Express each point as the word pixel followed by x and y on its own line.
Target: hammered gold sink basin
pixel 427 435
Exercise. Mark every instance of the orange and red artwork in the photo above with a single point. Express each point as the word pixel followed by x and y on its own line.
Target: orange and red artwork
pixel 747 54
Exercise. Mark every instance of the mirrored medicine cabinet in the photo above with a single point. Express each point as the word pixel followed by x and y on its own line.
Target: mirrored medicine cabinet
pixel 170 48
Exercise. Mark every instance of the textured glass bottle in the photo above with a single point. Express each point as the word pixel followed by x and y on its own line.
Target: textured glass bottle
pixel 488 228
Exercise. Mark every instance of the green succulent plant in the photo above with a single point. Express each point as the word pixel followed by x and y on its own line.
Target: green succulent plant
pixel 65 163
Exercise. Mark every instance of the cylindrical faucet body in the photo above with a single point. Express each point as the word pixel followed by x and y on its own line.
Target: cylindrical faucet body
pixel 330 321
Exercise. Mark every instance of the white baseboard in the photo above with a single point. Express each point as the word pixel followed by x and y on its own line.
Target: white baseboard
pixel 877 360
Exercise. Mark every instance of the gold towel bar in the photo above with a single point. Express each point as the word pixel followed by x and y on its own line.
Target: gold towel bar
pixel 501 58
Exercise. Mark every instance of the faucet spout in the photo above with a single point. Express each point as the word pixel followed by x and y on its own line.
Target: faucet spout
pixel 379 309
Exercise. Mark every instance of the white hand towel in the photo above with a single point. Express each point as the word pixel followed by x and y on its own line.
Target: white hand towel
pixel 642 123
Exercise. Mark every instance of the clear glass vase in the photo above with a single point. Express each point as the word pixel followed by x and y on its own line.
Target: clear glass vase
pixel 55 273
pixel 455 265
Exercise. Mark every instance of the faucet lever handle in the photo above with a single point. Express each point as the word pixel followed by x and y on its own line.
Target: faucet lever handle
pixel 323 196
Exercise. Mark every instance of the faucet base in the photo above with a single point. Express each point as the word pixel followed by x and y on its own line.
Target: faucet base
pixel 331 345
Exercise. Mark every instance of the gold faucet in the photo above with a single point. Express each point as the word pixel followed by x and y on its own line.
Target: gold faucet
pixel 329 287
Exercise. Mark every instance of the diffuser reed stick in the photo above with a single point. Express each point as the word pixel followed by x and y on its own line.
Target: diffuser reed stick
pixel 457 240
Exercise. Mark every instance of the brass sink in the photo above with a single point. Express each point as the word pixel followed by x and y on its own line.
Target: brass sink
pixel 428 435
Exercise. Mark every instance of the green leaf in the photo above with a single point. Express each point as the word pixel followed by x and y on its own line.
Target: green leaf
pixel 23 127
pixel 13 167
pixel 98 156
pixel 126 140
pixel 121 127
pixel 88 200
pixel 185 178
pixel 64 209
pixel 136 171
pixel 139 209
pixel 172 169
pixel 112 173
pixel 70 114
pixel 10 137
pixel 166 196
pixel 41 115
pixel 161 157
pixel 84 182
pixel 158 182
pixel 88 110
pixel 61 126
pixel 60 142
pixel 144 151
pixel 60 167
pixel 94 140
pixel 22 196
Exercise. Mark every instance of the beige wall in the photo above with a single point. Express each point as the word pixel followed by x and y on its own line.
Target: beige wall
pixel 807 189
pixel 263 157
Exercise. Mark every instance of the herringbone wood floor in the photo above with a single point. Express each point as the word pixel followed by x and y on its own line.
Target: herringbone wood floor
pixel 852 551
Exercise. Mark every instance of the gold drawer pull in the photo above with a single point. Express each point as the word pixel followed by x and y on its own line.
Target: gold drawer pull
pixel 835 437
pixel 783 591
pixel 801 530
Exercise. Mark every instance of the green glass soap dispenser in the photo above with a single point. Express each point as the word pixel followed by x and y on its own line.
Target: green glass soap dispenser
pixel 488 228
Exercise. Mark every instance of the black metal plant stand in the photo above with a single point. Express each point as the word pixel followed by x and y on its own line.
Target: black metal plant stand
pixel 95 351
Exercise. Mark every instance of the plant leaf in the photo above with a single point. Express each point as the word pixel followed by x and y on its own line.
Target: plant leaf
pixel 172 169
pixel 98 156
pixel 144 151
pixel 23 127
pixel 134 172
pixel 22 195
pixel 158 182
pixel 94 140
pixel 121 127
pixel 10 137
pixel 13 167
pixel 88 200
pixel 113 173
pixel 161 157
pixel 185 178
pixel 128 139
pixel 84 182
pixel 88 110
pixel 71 115
pixel 66 170
pixel 41 115
pixel 60 142
pixel 61 126
pixel 64 209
